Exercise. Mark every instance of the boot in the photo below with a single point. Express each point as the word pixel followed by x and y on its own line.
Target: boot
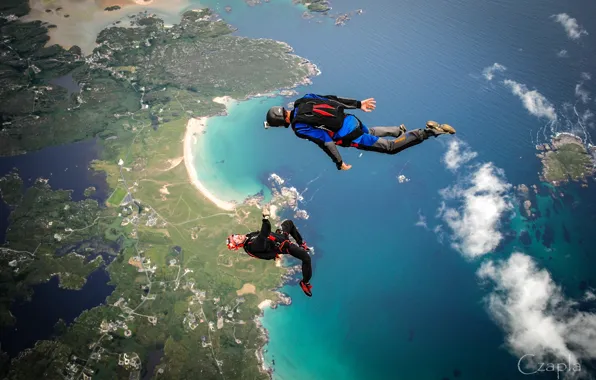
pixel 435 129
pixel 306 287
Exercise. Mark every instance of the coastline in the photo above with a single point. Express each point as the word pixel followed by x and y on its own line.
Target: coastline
pixel 194 127
pixel 282 197
pixel 197 126
pixel 281 299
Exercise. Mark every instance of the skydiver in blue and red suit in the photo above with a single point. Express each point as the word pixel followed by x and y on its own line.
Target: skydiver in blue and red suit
pixel 322 120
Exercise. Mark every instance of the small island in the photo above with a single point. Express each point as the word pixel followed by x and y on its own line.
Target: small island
pixel 315 5
pixel 566 158
pixel 89 191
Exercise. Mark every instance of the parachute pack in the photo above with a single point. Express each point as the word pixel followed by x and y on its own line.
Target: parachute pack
pixel 320 113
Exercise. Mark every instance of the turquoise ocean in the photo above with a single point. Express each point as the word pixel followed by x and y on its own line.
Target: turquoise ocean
pixel 392 299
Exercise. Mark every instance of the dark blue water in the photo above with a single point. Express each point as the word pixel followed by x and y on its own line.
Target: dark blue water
pixel 390 300
pixel 36 319
pixel 66 167
pixel 67 82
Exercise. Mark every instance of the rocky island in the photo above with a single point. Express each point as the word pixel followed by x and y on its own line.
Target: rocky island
pixel 315 5
pixel 176 286
pixel 567 158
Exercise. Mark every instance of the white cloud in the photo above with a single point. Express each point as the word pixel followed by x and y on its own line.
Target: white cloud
pixel 586 116
pixel 421 221
pixel 438 230
pixel 586 76
pixel 458 153
pixel 489 72
pixel 441 209
pixel 537 317
pixel 582 93
pixel 533 101
pixel 476 224
pixel 573 29
pixel 563 54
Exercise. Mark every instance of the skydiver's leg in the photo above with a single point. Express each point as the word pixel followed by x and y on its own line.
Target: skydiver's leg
pixel 288 227
pixel 394 131
pixel 302 255
pixel 375 144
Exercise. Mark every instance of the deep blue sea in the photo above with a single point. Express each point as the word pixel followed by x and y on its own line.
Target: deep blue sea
pixel 392 299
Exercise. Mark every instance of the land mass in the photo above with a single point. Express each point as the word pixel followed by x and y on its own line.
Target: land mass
pixel 566 158
pixel 315 5
pixel 179 294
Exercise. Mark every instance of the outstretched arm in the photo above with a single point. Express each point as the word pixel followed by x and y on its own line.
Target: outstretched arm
pixel 322 139
pixel 346 102
pixel 366 105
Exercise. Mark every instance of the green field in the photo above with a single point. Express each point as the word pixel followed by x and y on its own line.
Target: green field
pixel 117 197
pixel 569 162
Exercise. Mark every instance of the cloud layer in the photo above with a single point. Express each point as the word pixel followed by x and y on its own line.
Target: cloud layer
pixel 573 29
pixel 476 223
pixel 533 101
pixel 582 93
pixel 534 312
pixel 489 72
pixel 458 153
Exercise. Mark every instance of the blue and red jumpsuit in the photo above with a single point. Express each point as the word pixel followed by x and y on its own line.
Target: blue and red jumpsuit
pixel 368 139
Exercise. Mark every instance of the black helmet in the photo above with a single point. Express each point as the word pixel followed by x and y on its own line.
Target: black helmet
pixel 276 117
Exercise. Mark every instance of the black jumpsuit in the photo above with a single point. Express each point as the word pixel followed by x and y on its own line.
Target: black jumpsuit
pixel 266 245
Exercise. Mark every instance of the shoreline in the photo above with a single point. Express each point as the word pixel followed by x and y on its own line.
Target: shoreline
pixel 196 126
pixel 282 299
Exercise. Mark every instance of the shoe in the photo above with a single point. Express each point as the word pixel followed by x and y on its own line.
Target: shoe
pixel 304 246
pixel 439 129
pixel 403 128
pixel 306 287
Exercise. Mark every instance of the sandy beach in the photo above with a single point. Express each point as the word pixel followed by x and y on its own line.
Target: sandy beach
pixel 194 128
pixel 265 304
pixel 225 100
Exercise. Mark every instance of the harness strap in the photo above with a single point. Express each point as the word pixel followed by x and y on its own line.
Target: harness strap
pixel 281 246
